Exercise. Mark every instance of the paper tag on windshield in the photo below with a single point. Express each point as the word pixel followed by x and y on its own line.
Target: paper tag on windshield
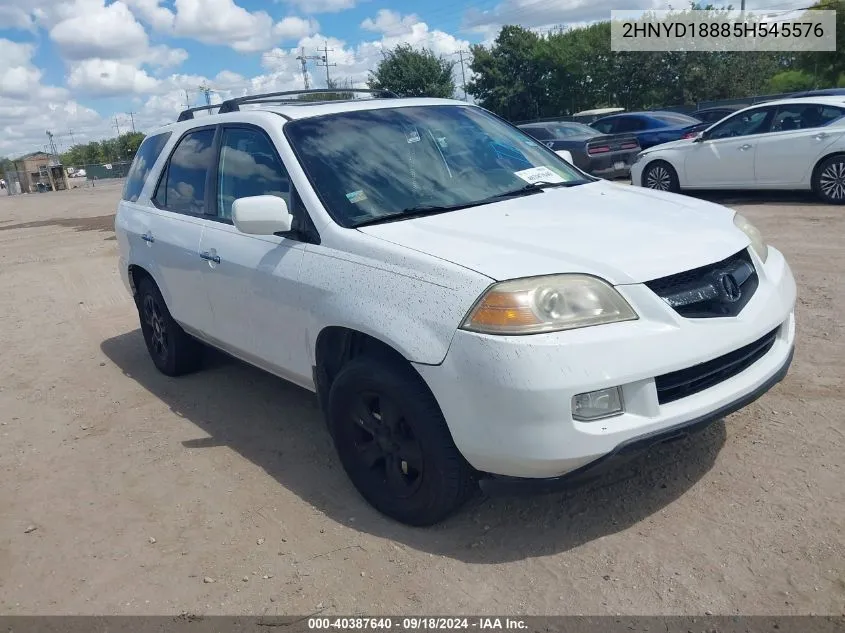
pixel 356 196
pixel 412 135
pixel 538 174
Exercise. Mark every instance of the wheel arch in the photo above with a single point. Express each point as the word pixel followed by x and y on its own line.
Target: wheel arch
pixel 336 345
pixel 814 172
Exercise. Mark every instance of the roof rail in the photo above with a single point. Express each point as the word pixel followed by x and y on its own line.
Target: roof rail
pixel 189 113
pixel 232 105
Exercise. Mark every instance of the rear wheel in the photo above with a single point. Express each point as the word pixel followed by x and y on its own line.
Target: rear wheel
pixel 394 444
pixel 829 180
pixel 173 351
pixel 661 176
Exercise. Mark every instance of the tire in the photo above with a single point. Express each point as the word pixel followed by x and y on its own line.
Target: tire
pixel 394 444
pixel 173 351
pixel 829 180
pixel 661 176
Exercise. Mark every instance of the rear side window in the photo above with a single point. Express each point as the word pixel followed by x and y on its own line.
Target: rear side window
pixel 605 127
pixel 145 158
pixel 540 133
pixel 630 124
pixel 182 189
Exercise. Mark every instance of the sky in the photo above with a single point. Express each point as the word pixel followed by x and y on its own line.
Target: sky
pixel 78 68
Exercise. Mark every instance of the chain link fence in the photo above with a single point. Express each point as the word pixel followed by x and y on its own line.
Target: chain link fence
pixel 87 175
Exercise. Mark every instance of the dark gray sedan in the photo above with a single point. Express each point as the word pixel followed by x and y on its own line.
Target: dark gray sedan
pixel 603 155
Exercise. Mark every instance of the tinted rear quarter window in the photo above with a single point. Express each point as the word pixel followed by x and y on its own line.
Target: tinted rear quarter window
pixel 145 158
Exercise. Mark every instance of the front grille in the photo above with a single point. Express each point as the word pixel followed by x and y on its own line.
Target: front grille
pixel 717 290
pixel 685 382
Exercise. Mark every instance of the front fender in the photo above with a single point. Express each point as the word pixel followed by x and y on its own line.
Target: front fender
pixel 414 311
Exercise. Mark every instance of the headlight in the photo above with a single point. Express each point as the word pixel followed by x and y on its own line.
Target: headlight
pixel 547 304
pixel 757 241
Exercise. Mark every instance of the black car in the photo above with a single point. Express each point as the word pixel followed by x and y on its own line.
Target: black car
pixel 603 155
pixel 714 114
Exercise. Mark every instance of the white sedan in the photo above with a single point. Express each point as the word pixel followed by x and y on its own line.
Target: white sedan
pixel 788 144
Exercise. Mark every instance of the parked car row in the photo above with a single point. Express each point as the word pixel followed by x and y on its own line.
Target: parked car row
pixel 795 144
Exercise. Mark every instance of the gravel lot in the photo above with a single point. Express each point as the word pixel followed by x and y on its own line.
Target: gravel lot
pixel 125 492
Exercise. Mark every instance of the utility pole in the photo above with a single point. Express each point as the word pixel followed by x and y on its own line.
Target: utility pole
pixel 132 119
pixel 116 125
pixel 72 140
pixel 463 72
pixel 303 60
pixel 187 100
pixel 52 145
pixel 325 61
pixel 205 90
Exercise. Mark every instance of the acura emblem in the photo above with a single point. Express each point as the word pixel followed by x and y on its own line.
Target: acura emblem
pixel 730 287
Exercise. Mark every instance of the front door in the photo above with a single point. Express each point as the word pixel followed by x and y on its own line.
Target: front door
pixel 726 157
pixel 253 281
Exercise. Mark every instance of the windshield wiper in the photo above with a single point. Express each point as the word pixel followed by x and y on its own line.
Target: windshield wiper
pixel 427 209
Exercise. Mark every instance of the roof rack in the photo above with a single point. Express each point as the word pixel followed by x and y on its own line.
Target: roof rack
pixel 233 105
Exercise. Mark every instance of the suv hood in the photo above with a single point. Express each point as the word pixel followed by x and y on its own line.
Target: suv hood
pixel 621 233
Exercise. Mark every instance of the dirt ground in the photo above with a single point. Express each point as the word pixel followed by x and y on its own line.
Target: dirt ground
pixel 126 492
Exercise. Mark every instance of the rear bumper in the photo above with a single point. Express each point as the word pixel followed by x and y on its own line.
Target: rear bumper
pixel 607 165
pixel 499 484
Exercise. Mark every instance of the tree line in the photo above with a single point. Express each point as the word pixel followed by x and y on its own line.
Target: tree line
pixel 526 75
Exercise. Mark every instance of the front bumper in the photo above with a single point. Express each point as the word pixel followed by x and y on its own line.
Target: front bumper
pixel 507 399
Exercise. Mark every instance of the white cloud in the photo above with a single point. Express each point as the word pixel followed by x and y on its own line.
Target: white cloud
pixel 322 6
pixel 294 28
pixel 19 78
pixel 223 22
pixel 109 32
pixel 164 57
pixel 390 22
pixel 108 77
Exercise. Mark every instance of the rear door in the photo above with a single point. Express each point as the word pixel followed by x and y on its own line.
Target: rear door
pixel 175 228
pixel 797 140
pixel 252 281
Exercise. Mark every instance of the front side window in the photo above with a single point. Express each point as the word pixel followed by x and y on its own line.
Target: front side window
pixel 630 124
pixel 743 124
pixel 370 164
pixel 182 189
pixel 145 158
pixel 249 166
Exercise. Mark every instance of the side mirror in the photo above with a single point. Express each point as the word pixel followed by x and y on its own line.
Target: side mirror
pixel 261 215
pixel 565 155
pixel 699 137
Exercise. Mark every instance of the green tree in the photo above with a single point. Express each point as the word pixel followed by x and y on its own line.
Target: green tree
pixel 827 66
pixel 791 81
pixel 413 73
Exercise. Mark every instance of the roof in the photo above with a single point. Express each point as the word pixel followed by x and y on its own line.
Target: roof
pixel 824 100
pixel 33 155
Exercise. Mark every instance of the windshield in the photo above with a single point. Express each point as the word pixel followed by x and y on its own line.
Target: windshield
pixel 563 130
pixel 377 163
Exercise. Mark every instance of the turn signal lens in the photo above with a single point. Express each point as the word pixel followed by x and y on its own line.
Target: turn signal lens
pixel 547 304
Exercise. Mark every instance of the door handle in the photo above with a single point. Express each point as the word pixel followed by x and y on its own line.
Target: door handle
pixel 742 148
pixel 820 136
pixel 209 257
pixel 148 237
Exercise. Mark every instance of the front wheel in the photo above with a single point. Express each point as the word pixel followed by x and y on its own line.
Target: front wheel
pixel 829 180
pixel 661 176
pixel 394 444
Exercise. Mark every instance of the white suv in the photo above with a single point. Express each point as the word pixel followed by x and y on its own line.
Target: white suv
pixel 466 304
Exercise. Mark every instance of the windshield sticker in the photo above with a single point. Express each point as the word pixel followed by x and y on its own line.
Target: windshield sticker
pixel 356 196
pixel 442 142
pixel 530 143
pixel 538 174
pixel 413 135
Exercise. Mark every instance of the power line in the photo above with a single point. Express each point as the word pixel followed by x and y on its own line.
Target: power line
pixel 325 58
